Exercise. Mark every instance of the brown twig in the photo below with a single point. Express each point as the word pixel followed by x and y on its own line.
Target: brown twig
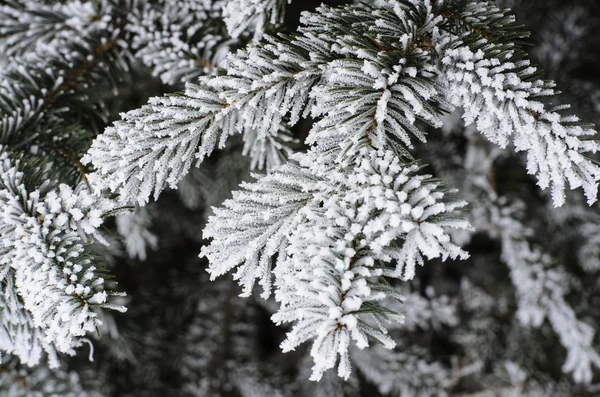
pixel 69 157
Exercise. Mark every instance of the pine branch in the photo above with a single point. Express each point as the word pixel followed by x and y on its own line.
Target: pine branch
pixel 490 77
pixel 541 288
pixel 53 76
pixel 242 16
pixel 252 227
pixel 182 41
pixel 45 229
pixel 153 147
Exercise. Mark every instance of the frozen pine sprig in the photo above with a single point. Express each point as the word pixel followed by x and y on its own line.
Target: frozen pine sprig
pixel 324 284
pixel 25 25
pixel 335 233
pixel 153 147
pixel 179 41
pixel 500 96
pixel 65 68
pixel 248 230
pixel 44 232
pixel 385 81
pixel 370 74
pixel 242 16
pixel 541 287
pixel 399 203
pixel 19 336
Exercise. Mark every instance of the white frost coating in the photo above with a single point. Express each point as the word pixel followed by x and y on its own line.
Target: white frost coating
pixel 180 40
pixel 242 16
pixel 322 282
pixel 332 231
pixel 134 227
pixel 32 25
pixel 43 233
pixel 18 334
pixel 250 228
pixel 153 147
pixel 375 92
pixel 500 98
pixel 541 287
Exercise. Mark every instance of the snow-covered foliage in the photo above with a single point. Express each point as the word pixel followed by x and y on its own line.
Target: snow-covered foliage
pixel 355 238
pixel 385 63
pixel 498 94
pixel 334 232
pixel 541 288
pixel 153 147
pixel 243 16
pixel 179 41
pixel 49 68
pixel 253 226
pixel 44 229
pixel 135 227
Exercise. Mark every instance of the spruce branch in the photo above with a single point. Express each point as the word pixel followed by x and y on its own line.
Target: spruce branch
pixel 179 41
pixel 40 84
pixel 45 228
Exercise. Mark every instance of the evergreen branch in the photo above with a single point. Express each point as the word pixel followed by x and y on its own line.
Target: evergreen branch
pixel 182 41
pixel 329 277
pixel 69 156
pixel 153 147
pixel 45 229
pixel 27 25
pixel 498 95
pixel 18 333
pixel 163 136
pixel 39 85
pixel 541 287
pixel 242 16
pixel 490 78
pixel 254 225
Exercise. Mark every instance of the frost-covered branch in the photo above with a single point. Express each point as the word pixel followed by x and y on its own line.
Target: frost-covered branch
pixel 369 74
pixel 541 289
pixel 179 41
pixel 242 16
pixel 540 281
pixel 253 226
pixel 347 226
pixel 44 232
pixel 499 96
pixel 40 82
pixel 153 147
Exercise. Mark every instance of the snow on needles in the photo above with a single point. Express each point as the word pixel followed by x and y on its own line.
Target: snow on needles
pixel 377 218
pixel 43 236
